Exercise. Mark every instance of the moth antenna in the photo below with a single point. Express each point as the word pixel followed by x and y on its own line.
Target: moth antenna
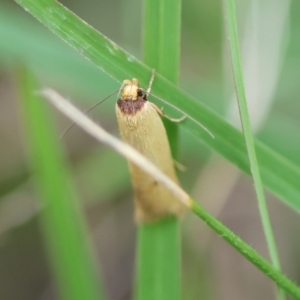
pixel 178 109
pixel 87 111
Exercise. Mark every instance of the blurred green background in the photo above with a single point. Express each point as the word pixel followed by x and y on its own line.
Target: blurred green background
pixel 270 43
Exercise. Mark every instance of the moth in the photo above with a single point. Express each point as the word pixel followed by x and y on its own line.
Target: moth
pixel 141 126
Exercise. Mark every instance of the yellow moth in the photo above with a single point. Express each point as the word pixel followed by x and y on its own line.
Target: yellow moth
pixel 141 126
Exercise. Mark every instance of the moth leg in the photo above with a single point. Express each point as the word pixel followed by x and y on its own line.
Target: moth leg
pixel 162 114
pixel 179 166
pixel 150 83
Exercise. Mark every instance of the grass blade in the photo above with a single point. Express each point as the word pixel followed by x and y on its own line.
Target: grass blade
pixel 64 229
pixel 159 244
pixel 159 260
pixel 248 252
pixel 245 120
pixel 162 37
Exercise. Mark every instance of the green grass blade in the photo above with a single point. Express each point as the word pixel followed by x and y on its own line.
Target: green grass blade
pixel 248 252
pixel 162 48
pixel 64 229
pixel 159 260
pixel 162 37
pixel 278 174
pixel 159 244
pixel 230 14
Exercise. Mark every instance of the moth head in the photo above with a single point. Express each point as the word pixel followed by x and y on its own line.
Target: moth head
pixel 131 90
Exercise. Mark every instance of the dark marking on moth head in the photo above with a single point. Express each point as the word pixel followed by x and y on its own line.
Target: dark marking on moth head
pixel 131 107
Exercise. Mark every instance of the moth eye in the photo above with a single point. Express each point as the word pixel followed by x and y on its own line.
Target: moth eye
pixel 140 93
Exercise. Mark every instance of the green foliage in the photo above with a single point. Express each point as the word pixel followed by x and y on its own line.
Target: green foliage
pixel 280 175
pixel 248 252
pixel 64 229
pixel 245 120
pixel 159 259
